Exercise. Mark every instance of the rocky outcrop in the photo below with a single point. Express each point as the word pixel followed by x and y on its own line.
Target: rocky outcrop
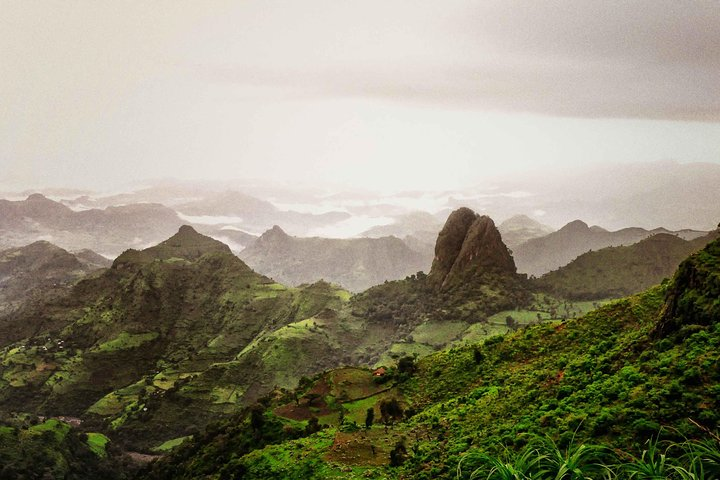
pixel 693 297
pixel 467 246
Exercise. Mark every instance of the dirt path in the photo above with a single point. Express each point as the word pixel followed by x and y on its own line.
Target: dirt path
pixel 143 458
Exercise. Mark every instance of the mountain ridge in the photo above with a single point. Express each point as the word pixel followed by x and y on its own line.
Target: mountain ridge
pixel 614 272
pixel 356 263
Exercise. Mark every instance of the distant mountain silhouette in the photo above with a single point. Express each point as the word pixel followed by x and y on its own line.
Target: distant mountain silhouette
pixel 108 231
pixel 41 268
pixel 521 228
pixel 356 263
pixel 255 214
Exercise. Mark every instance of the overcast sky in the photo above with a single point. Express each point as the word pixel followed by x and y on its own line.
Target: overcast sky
pixel 385 94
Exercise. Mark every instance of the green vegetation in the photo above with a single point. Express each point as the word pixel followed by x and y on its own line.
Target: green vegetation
pixel 177 327
pixel 171 444
pixel 221 371
pixel 615 272
pixel 52 449
pixel 543 459
pixel 97 443
pixel 126 341
pixel 580 396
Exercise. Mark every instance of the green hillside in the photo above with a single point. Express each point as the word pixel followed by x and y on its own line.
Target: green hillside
pixel 179 335
pixel 52 449
pixel 639 368
pixel 165 331
pixel 182 351
pixel 615 272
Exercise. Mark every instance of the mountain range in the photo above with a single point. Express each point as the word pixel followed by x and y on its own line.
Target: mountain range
pixel 596 396
pixel 354 263
pixel 108 231
pixel 187 326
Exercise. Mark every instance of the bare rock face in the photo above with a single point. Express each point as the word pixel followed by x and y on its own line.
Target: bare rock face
pixel 468 245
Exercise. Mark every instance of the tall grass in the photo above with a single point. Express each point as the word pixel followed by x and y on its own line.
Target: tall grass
pixel 543 459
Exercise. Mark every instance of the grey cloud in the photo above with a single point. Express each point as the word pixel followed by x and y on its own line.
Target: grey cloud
pixel 642 59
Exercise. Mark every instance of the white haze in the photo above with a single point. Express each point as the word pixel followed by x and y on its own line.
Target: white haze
pixel 381 95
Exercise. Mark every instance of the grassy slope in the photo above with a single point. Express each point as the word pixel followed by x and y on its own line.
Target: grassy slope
pixel 51 449
pixel 615 272
pixel 150 340
pixel 171 330
pixel 608 377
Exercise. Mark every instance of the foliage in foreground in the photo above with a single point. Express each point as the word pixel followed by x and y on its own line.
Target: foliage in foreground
pixel 542 459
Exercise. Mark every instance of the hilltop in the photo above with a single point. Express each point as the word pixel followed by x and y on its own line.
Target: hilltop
pixel 160 319
pixel 518 229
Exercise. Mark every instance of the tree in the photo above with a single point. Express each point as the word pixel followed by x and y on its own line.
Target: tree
pixel 311 397
pixel 406 365
pixel 369 417
pixel 398 454
pixel 390 410
pixel 257 419
pixel 312 426
pixel 478 355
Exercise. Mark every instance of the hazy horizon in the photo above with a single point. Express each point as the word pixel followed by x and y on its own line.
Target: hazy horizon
pixel 613 196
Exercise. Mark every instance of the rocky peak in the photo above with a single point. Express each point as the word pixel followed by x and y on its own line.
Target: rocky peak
pixel 468 245
pixel 276 230
pixel 274 235
pixel 187 243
